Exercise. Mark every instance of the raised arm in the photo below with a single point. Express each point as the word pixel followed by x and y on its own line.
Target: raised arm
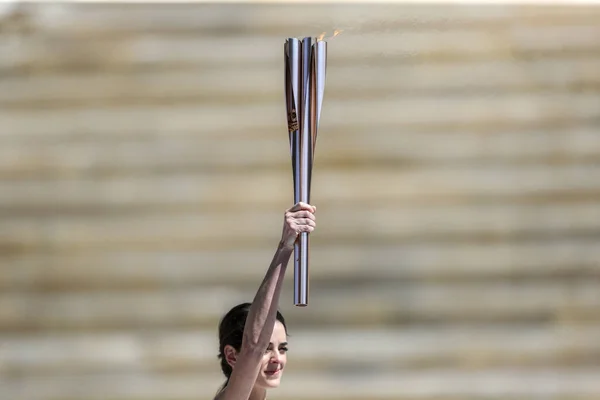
pixel 262 314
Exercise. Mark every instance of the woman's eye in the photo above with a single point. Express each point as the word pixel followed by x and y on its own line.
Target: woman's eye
pixel 281 349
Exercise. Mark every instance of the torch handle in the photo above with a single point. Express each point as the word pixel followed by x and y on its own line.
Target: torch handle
pixel 301 253
pixel 301 270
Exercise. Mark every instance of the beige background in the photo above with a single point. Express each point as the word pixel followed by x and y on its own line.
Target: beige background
pixel 144 171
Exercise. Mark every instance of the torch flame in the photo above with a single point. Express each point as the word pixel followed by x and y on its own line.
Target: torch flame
pixel 335 33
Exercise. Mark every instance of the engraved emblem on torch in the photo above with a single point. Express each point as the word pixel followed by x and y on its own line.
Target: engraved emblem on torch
pixel 293 121
pixel 305 67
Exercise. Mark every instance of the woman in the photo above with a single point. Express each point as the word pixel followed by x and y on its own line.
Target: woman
pixel 253 337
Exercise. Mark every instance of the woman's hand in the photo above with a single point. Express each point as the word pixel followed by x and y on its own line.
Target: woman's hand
pixel 299 218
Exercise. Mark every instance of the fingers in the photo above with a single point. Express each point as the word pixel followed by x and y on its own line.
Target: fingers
pixel 304 228
pixel 302 206
pixel 298 221
pixel 303 225
pixel 300 218
pixel 305 221
pixel 301 214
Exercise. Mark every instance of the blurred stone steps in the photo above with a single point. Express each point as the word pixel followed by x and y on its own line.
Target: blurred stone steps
pixel 68 270
pixel 98 20
pixel 382 80
pixel 399 349
pixel 388 222
pixel 437 384
pixel 122 156
pixel 187 198
pixel 344 80
pixel 367 303
pixel 69 51
pixel 395 111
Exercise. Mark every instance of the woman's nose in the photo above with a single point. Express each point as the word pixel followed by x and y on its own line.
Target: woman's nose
pixel 275 356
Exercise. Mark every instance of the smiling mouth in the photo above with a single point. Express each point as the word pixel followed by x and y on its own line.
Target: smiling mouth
pixel 273 373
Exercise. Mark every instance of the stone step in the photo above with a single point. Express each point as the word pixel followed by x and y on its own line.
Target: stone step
pixel 310 350
pixel 103 19
pixel 68 51
pixel 398 111
pixel 235 82
pixel 437 384
pixel 389 222
pixel 97 155
pixel 67 270
pixel 272 190
pixel 389 302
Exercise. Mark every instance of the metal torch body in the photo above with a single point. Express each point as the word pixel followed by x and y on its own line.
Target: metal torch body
pixel 305 69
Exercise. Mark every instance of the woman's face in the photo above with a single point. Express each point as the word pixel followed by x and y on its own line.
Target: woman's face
pixel 274 359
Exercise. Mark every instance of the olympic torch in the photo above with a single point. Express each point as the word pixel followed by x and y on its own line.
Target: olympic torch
pixel 305 66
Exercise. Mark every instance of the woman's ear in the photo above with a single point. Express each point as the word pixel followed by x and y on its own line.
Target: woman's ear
pixel 230 355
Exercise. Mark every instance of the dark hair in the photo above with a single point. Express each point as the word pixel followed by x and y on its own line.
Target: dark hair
pixel 231 332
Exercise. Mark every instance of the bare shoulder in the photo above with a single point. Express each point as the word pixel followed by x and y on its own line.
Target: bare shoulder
pixel 219 395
